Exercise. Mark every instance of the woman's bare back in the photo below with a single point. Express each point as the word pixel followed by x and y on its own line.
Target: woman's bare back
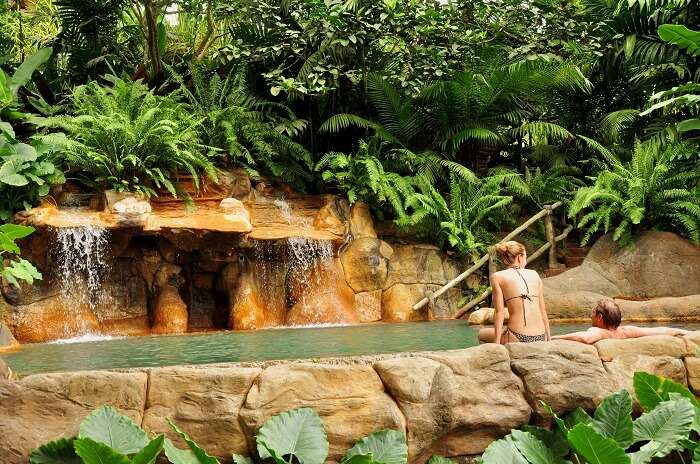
pixel 521 291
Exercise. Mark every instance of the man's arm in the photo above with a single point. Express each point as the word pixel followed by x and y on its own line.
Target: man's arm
pixel 589 336
pixel 543 311
pixel 632 331
pixel 499 313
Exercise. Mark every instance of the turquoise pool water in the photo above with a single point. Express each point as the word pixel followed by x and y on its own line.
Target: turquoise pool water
pixel 261 345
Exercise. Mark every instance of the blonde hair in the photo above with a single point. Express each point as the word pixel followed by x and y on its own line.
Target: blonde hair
pixel 509 251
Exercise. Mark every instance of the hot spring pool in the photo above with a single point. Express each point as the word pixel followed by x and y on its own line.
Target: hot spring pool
pixel 261 345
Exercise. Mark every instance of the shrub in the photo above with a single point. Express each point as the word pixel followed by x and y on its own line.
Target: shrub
pixel 129 139
pixel 611 436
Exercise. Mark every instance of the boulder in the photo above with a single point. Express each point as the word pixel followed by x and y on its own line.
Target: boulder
pixel 692 367
pixel 398 301
pixel 45 407
pixel 7 340
pixel 661 309
pixel 350 399
pixel 227 279
pixel 658 345
pixel 484 316
pixel 455 403
pixel 170 311
pixel 203 402
pixel 634 272
pixel 257 300
pixel 692 342
pixel 168 274
pixel 361 223
pixel 366 264
pixel 5 371
pixel 329 218
pixel 420 264
pixel 563 374
pixel 49 319
pixel 368 306
pixel 234 210
pixel 659 355
pixel 320 295
pixel 235 183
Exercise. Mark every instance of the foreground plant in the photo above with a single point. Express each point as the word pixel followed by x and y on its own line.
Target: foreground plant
pixel 611 436
pixel 13 268
pixel 295 436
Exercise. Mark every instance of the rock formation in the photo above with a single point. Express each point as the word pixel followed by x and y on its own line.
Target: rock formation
pixel 451 403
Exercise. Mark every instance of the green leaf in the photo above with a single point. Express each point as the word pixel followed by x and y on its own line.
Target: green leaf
pixel 240 459
pixel 689 125
pixel 503 451
pixel 177 455
pixel 652 390
pixel 298 432
pixel 535 451
pixel 16 231
pixel 27 68
pixel 440 460
pixel 385 446
pixel 680 35
pixel 150 453
pixel 666 425
pixel 105 425
pixel 6 97
pixel 55 452
pixel 201 456
pixel 594 447
pixel 92 452
pixel 613 418
pixel 9 173
pixel 554 439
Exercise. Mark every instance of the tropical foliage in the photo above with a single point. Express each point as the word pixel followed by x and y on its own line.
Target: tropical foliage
pixel 668 425
pixel 127 138
pixel 13 268
pixel 651 190
pixel 298 435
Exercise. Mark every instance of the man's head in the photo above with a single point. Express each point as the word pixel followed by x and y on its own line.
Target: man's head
pixel 606 315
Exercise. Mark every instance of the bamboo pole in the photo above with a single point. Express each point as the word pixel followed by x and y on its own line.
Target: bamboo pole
pixel 485 258
pixel 549 234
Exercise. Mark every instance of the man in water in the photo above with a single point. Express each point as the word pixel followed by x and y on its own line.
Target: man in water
pixel 606 318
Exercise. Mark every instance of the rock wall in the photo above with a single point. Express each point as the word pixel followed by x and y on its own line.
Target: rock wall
pixel 297 260
pixel 452 403
pixel 655 278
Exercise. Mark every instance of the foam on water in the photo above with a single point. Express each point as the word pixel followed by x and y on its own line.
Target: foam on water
pixel 86 338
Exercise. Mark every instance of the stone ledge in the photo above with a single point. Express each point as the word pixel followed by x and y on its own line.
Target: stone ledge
pixel 452 403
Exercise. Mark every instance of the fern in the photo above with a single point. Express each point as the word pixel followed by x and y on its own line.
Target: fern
pixel 651 190
pixel 127 138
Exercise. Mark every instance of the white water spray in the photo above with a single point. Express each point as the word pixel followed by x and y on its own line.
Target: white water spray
pixel 81 264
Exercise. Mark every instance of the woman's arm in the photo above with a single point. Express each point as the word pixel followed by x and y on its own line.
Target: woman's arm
pixel 543 311
pixel 498 304
pixel 589 336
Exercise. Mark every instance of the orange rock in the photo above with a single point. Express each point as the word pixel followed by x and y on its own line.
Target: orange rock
pixel 257 301
pixel 170 313
pixel 322 296
pixel 51 319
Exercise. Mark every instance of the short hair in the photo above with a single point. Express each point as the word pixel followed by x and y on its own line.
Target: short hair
pixel 508 251
pixel 612 316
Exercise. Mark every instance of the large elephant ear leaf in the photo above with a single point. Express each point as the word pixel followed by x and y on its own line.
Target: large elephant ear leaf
pixel 613 418
pixel 503 451
pixel 105 425
pixel 534 450
pixel 55 452
pixel 385 447
pixel 298 432
pixel 594 447
pixel 200 456
pixel 240 459
pixel 150 452
pixel 554 439
pixel 652 390
pixel 666 425
pixel 93 452
pixel 440 460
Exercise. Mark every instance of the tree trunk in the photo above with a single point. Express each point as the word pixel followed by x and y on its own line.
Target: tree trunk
pixel 153 65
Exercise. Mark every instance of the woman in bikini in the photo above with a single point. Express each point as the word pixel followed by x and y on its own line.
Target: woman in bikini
pixel 520 290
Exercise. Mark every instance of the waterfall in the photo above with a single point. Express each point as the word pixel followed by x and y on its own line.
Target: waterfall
pixel 81 264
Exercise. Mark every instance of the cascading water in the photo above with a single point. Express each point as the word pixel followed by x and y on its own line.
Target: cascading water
pixel 80 256
pixel 306 259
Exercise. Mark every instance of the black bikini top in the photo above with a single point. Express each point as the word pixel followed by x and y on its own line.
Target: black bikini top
pixel 523 296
